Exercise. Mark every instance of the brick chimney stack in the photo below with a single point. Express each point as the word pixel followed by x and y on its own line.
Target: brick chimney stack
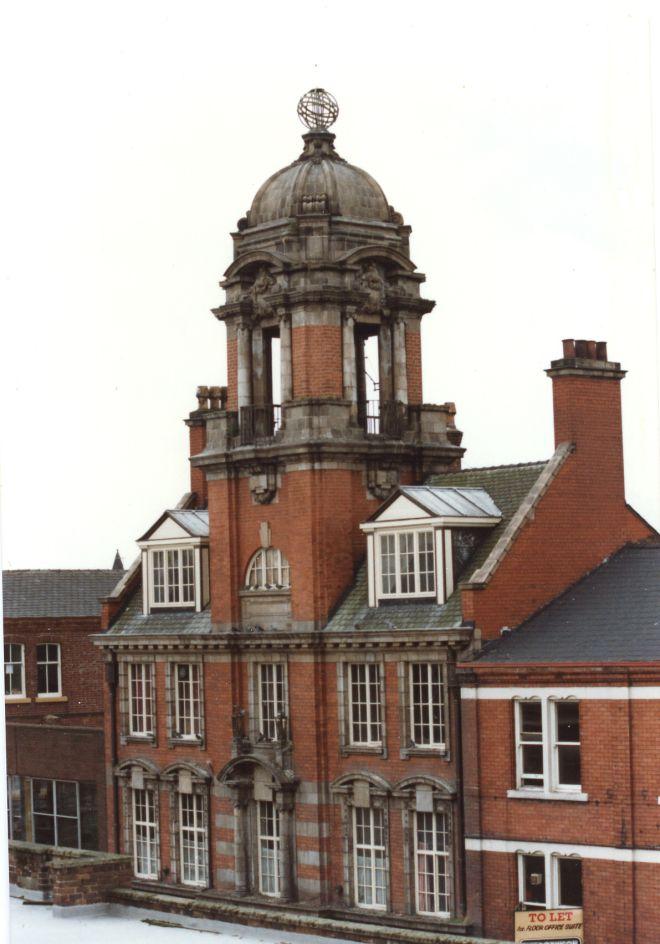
pixel 587 411
pixel 209 401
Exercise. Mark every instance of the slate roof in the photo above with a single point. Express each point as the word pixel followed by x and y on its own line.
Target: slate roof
pixel 444 502
pixel 507 486
pixel 194 521
pixel 132 622
pixel 55 593
pixel 611 615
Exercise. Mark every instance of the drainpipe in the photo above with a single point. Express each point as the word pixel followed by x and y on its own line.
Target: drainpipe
pixel 111 678
pixel 455 688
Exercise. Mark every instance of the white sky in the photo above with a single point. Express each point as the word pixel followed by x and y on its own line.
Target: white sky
pixel 514 137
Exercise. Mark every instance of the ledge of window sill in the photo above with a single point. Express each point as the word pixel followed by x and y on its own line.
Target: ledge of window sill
pixel 17 700
pixel 50 698
pixel 185 742
pixel 576 797
pixel 363 749
pixel 138 739
pixel 425 752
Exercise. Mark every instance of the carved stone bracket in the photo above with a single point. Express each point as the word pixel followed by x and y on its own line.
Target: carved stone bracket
pixel 373 284
pixel 381 482
pixel 263 483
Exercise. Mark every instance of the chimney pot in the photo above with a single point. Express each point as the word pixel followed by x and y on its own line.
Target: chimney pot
pixel 569 347
pixel 581 348
pixel 591 350
pixel 202 398
pixel 215 396
pixel 601 350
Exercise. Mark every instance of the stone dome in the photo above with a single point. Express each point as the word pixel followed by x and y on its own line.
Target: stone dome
pixel 320 182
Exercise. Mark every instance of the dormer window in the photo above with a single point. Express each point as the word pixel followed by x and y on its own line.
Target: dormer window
pixel 175 562
pixel 410 540
pixel 173 574
pixel 407 564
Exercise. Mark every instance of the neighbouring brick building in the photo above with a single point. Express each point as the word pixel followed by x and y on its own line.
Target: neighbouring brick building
pixel 561 782
pixel 54 705
pixel 283 715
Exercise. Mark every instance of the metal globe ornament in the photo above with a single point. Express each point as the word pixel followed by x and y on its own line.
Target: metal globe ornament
pixel 318 109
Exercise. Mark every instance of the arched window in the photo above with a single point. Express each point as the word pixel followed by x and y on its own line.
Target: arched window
pixel 268 570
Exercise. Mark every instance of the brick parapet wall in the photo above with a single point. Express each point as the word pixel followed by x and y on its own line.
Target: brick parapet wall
pixel 66 876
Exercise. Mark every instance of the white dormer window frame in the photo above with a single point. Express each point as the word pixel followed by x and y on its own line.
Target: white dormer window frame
pixel 408 583
pixel 175 575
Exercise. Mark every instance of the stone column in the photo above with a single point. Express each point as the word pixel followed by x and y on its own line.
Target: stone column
pixel 241 842
pixel 244 378
pixel 258 373
pixel 400 369
pixel 286 364
pixel 348 354
pixel 285 804
pixel 385 362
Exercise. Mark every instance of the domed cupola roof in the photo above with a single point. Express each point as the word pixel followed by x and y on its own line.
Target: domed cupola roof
pixel 320 181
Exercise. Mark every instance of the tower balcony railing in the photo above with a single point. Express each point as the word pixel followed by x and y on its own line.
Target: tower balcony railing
pixel 258 423
pixel 389 418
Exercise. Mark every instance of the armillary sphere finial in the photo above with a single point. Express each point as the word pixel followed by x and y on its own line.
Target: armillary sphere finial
pixel 318 109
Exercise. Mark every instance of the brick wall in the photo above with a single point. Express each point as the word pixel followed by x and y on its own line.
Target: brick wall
pixel 316 355
pixel 66 877
pixel 414 363
pixel 198 476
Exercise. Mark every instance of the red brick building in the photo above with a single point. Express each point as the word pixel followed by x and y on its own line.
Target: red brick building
pixel 283 719
pixel 562 722
pixel 54 705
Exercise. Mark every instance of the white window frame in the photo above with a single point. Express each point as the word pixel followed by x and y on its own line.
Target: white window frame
pixel 269 845
pixel 147 714
pixel 55 815
pixel 264 563
pixel 548 786
pixel 398 534
pixel 150 825
pixel 438 856
pixel 271 683
pixel 370 850
pixel 373 709
pixel 13 662
pixel 169 585
pixel 431 744
pixel 47 662
pixel 187 707
pixel 551 862
pixel 194 838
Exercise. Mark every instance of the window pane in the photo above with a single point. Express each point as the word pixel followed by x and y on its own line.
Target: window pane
pixel 387 564
pixel 568 721
pixel 89 835
pixel 173 576
pixel 570 883
pixel 568 757
pixel 426 561
pixel 407 562
pixel 534 879
pixel 159 576
pixel 530 715
pixel 66 797
pixel 42 796
pixel 67 832
pixel 44 829
pixel 187 575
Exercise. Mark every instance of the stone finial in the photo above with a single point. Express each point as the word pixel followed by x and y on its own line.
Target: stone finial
pixel 217 397
pixel 202 398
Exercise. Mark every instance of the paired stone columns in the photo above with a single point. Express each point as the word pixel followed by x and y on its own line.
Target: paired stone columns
pixel 400 367
pixel 241 840
pixel 244 370
pixel 285 803
pixel 349 361
pixel 286 365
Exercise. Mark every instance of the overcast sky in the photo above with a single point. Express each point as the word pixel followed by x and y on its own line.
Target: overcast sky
pixel 515 138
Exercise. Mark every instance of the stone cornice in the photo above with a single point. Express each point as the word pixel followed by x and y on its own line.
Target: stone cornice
pixel 327 295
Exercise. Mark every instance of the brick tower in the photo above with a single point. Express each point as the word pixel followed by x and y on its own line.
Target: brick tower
pixel 321 287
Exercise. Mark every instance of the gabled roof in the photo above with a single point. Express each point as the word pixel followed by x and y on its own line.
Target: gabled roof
pixel 611 615
pixel 194 522
pixel 508 486
pixel 445 501
pixel 55 593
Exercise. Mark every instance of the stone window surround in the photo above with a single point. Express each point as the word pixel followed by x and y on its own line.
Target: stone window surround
pixel 199 781
pixel 402 797
pixel 408 750
pixel 254 660
pixel 129 773
pixel 183 658
pixel 125 736
pixel 344 708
